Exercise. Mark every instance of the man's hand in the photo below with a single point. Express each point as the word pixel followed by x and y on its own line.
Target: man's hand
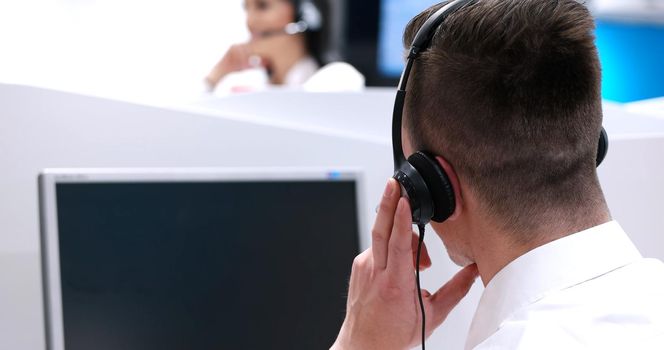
pixel 383 310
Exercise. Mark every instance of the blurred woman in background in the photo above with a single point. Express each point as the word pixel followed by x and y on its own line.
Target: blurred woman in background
pixel 288 42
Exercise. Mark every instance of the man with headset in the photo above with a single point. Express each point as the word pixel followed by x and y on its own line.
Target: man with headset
pixel 500 122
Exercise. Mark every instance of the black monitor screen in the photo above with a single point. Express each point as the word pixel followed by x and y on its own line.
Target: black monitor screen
pixel 374 37
pixel 214 265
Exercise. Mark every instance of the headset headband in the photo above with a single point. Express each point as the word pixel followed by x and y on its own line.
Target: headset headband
pixel 420 43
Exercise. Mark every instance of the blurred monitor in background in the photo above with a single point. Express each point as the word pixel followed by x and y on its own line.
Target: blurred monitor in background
pixel 288 46
pixel 630 39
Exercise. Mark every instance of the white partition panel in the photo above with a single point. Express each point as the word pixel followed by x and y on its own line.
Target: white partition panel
pixel 52 129
pixel 42 128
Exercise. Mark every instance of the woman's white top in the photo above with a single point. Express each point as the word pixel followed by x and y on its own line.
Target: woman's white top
pixel 305 74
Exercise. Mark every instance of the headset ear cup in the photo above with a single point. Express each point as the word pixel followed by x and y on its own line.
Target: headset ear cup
pixel 602 147
pixel 310 15
pixel 440 187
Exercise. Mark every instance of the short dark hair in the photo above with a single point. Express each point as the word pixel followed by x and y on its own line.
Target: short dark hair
pixel 509 94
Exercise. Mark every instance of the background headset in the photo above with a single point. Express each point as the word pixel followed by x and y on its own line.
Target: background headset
pixel 423 181
pixel 308 18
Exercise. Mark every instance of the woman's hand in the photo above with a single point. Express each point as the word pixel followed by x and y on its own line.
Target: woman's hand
pixel 256 53
pixel 239 57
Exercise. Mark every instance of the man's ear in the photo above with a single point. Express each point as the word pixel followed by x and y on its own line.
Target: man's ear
pixel 454 179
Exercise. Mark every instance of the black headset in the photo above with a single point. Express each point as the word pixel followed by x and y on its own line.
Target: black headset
pixel 308 18
pixel 423 181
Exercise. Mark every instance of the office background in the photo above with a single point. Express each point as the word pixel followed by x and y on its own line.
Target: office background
pixel 121 81
pixel 164 48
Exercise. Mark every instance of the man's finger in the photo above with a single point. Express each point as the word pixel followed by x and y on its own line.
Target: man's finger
pixel 449 295
pixel 380 234
pixel 425 260
pixel 400 252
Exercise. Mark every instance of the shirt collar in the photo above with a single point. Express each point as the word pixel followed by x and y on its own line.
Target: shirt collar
pixel 557 265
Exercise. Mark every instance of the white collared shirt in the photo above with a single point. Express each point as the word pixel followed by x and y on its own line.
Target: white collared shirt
pixel 589 290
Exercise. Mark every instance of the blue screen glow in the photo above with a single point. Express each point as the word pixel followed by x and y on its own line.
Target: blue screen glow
pixel 394 16
pixel 632 57
pixel 632 54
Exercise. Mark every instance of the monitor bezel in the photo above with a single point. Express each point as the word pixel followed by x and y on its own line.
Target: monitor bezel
pixel 50 178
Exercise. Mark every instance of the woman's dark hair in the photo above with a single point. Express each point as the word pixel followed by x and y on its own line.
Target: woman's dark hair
pixel 317 41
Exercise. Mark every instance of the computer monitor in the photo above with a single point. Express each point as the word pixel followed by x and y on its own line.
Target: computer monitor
pixel 373 37
pixel 394 16
pixel 197 259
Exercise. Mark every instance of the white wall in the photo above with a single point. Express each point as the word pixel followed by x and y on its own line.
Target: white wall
pixel 122 47
pixel 43 128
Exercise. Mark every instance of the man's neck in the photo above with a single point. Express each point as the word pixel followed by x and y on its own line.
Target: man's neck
pixel 499 248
